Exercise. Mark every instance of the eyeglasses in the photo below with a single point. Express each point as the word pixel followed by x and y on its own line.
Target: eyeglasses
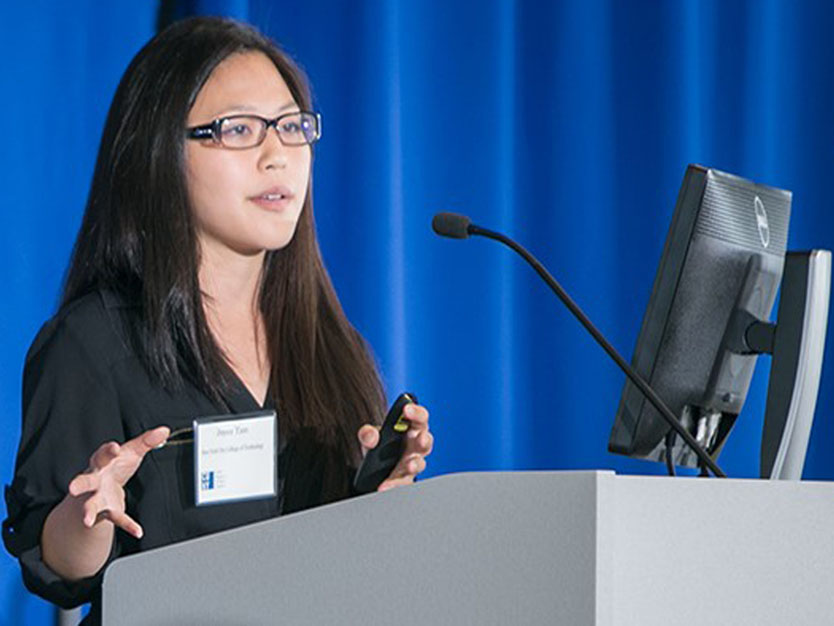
pixel 238 132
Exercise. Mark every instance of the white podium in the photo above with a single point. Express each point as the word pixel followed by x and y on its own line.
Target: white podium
pixel 572 548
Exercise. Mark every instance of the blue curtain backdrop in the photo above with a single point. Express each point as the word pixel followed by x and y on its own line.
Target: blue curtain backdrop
pixel 566 124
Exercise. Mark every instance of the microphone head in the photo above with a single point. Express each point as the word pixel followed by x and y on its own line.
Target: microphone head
pixel 451 225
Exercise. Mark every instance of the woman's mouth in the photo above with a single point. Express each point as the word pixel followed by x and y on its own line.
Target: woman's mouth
pixel 275 199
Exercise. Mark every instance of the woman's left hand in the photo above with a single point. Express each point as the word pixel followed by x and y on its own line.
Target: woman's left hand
pixel 418 445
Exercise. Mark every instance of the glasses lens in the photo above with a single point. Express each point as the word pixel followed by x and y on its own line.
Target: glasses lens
pixel 297 129
pixel 241 131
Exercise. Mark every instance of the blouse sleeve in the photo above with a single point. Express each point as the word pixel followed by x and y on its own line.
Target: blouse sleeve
pixel 70 408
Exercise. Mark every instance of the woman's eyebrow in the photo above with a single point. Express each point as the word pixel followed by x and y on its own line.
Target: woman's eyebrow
pixel 249 108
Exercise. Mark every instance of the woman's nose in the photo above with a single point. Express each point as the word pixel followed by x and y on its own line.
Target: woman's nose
pixel 273 152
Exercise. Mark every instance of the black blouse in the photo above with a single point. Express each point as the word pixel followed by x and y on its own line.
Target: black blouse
pixel 83 385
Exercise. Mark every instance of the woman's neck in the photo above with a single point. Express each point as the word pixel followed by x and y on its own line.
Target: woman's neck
pixel 230 283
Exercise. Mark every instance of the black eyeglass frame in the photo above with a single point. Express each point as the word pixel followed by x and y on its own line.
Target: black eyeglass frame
pixel 212 129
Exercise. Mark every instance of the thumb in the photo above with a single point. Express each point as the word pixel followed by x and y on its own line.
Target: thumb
pixel 156 437
pixel 147 441
pixel 368 436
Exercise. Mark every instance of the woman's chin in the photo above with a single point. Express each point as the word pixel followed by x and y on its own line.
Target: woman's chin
pixel 276 239
pixel 282 239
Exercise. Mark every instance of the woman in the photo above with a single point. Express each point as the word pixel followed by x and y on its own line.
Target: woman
pixel 195 289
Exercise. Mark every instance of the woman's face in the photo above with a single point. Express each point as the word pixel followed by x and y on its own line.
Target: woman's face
pixel 239 196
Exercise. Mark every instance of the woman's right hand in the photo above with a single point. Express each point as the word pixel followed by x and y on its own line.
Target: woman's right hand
pixel 101 487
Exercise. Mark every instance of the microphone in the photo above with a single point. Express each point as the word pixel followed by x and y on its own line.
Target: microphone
pixel 451 225
pixel 459 226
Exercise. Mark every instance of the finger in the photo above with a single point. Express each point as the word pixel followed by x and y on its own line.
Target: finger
pixel 147 441
pixel 84 483
pixel 426 443
pixel 92 511
pixel 390 483
pixel 105 453
pixel 416 414
pixel 125 522
pixel 409 465
pixel 419 441
pixel 368 436
pixel 414 465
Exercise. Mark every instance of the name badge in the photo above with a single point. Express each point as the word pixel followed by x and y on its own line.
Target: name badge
pixel 235 459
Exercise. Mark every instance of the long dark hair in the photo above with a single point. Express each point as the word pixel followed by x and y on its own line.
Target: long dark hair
pixel 138 239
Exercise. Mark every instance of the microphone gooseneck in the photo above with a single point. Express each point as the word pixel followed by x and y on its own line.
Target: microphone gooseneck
pixel 460 227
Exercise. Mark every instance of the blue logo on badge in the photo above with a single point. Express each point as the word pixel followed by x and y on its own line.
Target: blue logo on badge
pixel 206 481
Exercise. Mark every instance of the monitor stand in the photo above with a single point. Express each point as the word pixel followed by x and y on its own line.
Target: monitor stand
pixel 797 343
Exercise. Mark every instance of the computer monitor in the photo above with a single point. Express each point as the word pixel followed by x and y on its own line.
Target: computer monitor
pixel 707 319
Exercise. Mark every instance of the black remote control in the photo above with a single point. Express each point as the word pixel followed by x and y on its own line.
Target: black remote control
pixel 379 462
